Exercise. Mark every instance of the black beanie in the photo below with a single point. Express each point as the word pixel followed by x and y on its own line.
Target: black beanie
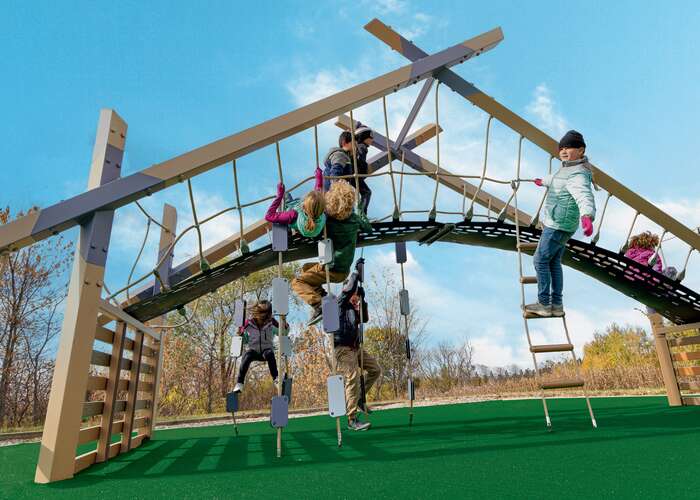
pixel 572 139
pixel 363 133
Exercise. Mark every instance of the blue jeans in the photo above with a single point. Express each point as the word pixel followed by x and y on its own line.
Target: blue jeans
pixel 550 277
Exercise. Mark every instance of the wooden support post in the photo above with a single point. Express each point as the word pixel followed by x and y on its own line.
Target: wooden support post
pixel 133 392
pixel 662 351
pixel 111 391
pixel 63 416
pixel 167 237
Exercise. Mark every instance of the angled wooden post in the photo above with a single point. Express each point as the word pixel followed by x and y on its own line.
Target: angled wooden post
pixel 167 237
pixel 64 412
pixel 665 362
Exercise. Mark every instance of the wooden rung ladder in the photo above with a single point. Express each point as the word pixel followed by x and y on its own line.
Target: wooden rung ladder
pixel 545 385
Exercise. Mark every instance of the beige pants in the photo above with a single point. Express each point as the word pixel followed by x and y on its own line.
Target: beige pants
pixel 348 360
pixel 308 284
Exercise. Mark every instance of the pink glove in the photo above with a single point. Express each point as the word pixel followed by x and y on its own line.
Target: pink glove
pixel 280 189
pixel 538 182
pixel 587 225
pixel 319 179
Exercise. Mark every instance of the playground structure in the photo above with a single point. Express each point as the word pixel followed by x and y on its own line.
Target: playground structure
pixel 169 288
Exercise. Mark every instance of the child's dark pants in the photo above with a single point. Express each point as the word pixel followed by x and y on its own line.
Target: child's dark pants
pixel 250 356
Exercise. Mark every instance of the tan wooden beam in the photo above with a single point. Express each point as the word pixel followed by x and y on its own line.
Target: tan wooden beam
pixel 63 416
pixel 61 216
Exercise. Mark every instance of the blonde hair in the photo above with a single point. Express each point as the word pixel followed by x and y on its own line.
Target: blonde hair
pixel 646 240
pixel 340 199
pixel 261 312
pixel 313 206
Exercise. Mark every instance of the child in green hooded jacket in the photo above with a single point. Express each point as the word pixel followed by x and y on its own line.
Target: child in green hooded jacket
pixel 569 199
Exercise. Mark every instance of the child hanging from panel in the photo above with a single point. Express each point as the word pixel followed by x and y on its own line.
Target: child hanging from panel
pixel 569 199
pixel 305 216
pixel 258 332
pixel 343 225
pixel 347 350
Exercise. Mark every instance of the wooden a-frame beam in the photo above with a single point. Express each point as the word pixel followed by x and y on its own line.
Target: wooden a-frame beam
pixel 64 215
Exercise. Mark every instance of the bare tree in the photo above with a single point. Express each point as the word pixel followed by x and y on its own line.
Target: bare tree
pixel 386 336
pixel 30 291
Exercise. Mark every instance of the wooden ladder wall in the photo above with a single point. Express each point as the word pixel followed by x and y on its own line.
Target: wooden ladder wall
pixel 678 348
pixel 121 388
pixel 684 346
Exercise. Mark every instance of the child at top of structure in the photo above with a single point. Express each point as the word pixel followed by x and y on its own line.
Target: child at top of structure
pixel 338 161
pixel 259 332
pixel 569 200
pixel 642 247
pixel 343 225
pixel 305 216
pixel 353 308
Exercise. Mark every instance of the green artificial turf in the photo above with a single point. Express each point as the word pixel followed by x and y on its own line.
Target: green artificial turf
pixel 498 449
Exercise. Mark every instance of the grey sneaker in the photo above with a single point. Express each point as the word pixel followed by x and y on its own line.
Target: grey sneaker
pixel 558 310
pixel 316 316
pixel 539 309
pixel 356 425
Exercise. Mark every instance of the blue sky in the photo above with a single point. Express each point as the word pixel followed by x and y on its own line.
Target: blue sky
pixel 624 74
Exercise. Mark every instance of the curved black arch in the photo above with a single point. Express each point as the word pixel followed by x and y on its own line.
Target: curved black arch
pixel 670 298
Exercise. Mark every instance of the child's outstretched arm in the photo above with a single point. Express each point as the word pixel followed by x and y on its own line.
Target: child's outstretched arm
pixel 272 215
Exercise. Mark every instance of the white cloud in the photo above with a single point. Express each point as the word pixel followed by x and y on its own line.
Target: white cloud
pixel 544 109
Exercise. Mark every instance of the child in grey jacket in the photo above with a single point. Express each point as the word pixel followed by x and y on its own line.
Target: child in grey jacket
pixel 258 332
pixel 569 199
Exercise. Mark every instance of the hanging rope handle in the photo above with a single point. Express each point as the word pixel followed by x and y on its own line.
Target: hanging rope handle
pixel 470 213
pixel 652 261
pixel 282 332
pixel 203 264
pixel 595 238
pixel 514 184
pixel 396 213
pixel 138 257
pixel 625 245
pixel 544 197
pixel 334 362
pixel 242 244
pixel 403 166
pixel 354 162
pixel 433 211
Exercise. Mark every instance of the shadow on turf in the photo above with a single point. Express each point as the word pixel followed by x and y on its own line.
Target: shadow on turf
pixel 390 442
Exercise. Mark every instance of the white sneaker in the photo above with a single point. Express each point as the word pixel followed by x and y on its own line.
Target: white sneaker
pixel 238 387
pixel 558 310
pixel 539 310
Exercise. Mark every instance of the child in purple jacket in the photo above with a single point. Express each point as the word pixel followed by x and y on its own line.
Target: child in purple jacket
pixel 306 216
pixel 642 248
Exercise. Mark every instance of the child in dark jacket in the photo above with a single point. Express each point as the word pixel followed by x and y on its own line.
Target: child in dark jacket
pixel 352 307
pixel 258 332
pixel 305 216
pixel 343 226
pixel 338 161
